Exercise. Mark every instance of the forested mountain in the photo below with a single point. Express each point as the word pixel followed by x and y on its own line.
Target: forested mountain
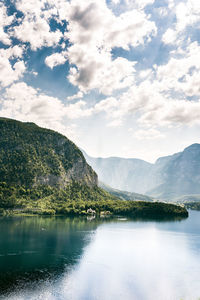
pixel 30 156
pixel 43 172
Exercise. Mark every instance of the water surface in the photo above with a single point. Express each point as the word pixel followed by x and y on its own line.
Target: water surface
pixel 61 258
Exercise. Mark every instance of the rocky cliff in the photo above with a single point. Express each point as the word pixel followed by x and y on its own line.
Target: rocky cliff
pixel 31 156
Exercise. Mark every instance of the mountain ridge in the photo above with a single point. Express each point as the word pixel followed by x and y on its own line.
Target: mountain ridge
pixel 168 178
pixel 46 156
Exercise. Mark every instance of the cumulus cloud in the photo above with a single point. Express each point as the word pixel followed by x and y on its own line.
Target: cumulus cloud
pixel 181 72
pixel 151 107
pixel 9 73
pixel 169 36
pixel 94 31
pixel 187 14
pixel 27 104
pixel 159 94
pixel 55 59
pixel 23 102
pixel 5 20
pixel 36 32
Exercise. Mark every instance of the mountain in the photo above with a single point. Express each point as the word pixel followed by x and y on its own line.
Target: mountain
pixel 170 177
pixel 122 173
pixel 30 156
pixel 43 172
pixel 179 175
pixel 126 195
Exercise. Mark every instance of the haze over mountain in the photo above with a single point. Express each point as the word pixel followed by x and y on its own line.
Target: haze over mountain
pixel 126 195
pixel 170 177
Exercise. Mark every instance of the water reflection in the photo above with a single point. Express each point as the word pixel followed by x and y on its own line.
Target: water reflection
pixel 121 260
pixel 38 248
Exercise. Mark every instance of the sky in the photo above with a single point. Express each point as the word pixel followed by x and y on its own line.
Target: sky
pixel 117 77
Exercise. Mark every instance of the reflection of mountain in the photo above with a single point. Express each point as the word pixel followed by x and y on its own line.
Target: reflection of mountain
pixel 35 248
pixel 170 177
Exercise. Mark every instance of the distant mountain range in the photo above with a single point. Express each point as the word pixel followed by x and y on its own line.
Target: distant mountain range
pixel 169 178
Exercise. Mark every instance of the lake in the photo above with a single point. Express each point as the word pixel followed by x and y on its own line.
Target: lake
pixel 59 258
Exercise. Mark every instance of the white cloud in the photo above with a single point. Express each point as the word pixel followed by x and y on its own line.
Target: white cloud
pixel 100 72
pixel 9 73
pixel 130 4
pixel 148 134
pixel 5 20
pixel 36 32
pixel 78 110
pixel 181 72
pixel 187 14
pixel 12 52
pixel 76 96
pixel 150 107
pixel 94 31
pixel 56 59
pixel 169 36
pixel 25 103
pixel 153 95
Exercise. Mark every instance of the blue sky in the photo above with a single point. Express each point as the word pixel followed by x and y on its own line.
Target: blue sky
pixel 118 77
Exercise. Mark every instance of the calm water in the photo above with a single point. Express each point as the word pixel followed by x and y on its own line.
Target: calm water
pixel 75 259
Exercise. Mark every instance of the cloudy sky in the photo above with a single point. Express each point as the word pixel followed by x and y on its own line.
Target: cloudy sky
pixel 118 77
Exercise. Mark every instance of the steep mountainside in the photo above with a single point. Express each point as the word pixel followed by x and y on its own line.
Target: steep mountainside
pixel 122 173
pixel 170 177
pixel 42 172
pixel 31 156
pixel 130 196
pixel 180 175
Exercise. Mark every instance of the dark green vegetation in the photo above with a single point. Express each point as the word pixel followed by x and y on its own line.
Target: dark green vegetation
pixel 30 155
pixel 170 177
pixel 125 195
pixel 42 172
pixel 76 199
